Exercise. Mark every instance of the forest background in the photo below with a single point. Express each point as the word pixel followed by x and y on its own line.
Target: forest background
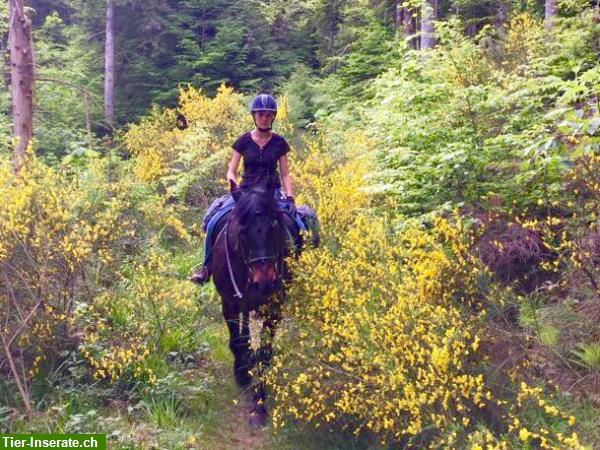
pixel 451 150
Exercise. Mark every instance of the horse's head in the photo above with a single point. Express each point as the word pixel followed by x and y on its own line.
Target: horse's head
pixel 259 228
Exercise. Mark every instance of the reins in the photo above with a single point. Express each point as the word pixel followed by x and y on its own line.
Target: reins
pixel 238 294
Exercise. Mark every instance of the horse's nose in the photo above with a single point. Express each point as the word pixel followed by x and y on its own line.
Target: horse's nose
pixel 266 287
pixel 264 273
pixel 264 279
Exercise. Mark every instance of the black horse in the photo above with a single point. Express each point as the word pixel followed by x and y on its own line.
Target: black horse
pixel 248 272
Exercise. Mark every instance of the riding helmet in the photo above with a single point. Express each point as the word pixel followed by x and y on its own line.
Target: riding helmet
pixel 263 102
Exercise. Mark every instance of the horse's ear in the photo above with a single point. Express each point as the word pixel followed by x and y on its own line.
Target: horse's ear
pixel 234 190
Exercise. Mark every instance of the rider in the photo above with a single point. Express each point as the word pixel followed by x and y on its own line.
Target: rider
pixel 261 150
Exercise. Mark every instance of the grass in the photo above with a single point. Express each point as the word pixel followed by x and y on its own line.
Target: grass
pixel 588 355
pixel 193 407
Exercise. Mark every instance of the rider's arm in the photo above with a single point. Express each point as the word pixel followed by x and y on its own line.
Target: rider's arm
pixel 233 165
pixel 286 181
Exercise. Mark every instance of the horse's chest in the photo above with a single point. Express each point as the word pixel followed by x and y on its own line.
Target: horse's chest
pixel 254 299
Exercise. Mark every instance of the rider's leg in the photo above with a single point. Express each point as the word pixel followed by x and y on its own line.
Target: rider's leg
pixel 203 275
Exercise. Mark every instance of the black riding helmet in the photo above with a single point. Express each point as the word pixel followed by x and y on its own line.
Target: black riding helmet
pixel 263 102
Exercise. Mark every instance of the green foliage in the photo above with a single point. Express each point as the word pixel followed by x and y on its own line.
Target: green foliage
pixel 3 19
pixel 588 354
pixel 301 90
pixel 240 53
pixel 461 129
pixel 162 45
pixel 5 126
pixel 165 412
pixel 366 58
pixel 572 7
pixel 67 89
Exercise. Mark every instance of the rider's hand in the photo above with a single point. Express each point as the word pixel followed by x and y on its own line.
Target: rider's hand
pixel 291 204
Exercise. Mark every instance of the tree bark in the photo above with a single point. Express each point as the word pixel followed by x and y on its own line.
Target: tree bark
pixel 22 80
pixel 501 14
pixel 398 14
pixel 550 13
pixel 428 15
pixel 410 28
pixel 406 23
pixel 109 67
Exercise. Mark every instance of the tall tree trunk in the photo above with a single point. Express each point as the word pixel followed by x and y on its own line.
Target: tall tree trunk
pixel 550 13
pixel 428 15
pixel 22 79
pixel 109 67
pixel 410 28
pixel 398 14
pixel 501 14
pixel 406 23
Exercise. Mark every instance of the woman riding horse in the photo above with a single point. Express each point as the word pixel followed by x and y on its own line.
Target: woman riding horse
pixel 261 150
pixel 251 243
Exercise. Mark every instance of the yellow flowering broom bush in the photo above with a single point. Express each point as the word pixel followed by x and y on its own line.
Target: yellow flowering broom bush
pixel 385 330
pixel 384 341
pixel 66 243
pixel 378 318
pixel 153 312
pixel 187 161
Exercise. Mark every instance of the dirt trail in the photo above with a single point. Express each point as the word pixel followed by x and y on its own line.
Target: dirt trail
pixel 234 431
pixel 242 435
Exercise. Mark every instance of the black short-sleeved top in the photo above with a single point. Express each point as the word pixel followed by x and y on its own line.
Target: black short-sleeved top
pixel 260 165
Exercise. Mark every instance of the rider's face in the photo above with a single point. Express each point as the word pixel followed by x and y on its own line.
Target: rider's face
pixel 264 119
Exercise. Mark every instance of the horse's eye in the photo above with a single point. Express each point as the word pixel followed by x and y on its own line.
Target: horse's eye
pixel 274 224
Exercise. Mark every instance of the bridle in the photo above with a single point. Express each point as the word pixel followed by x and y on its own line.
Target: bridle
pixel 277 258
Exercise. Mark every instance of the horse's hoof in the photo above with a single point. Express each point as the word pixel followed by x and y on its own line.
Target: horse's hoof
pixel 257 419
pixel 240 372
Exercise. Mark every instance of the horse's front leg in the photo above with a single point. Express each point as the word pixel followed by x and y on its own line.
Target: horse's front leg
pixel 238 344
pixel 262 359
pixel 245 354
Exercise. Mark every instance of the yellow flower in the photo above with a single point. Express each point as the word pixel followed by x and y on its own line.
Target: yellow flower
pixel 524 434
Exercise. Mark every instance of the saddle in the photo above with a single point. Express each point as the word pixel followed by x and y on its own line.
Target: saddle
pixel 305 219
pixel 215 207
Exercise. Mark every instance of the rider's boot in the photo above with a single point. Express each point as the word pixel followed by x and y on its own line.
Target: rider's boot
pixel 202 276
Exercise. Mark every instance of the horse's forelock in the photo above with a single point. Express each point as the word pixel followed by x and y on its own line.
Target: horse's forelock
pixel 254 199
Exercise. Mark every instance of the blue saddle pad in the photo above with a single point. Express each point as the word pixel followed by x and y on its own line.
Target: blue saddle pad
pixel 225 203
